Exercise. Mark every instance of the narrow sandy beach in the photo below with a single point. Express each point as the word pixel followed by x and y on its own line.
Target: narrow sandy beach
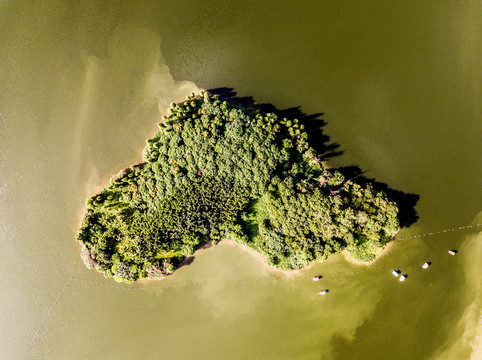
pixel 345 254
pixel 260 258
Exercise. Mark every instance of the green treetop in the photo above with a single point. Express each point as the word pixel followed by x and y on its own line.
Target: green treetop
pixel 214 171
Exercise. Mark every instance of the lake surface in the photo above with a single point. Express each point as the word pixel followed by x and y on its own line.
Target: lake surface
pixel 82 85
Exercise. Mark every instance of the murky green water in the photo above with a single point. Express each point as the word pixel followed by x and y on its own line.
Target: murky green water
pixel 82 85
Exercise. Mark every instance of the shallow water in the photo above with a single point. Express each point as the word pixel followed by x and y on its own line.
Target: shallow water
pixel 83 85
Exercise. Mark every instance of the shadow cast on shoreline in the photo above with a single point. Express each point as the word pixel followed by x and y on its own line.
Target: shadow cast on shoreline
pixel 321 143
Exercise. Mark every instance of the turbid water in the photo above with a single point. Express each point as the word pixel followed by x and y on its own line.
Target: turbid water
pixel 82 85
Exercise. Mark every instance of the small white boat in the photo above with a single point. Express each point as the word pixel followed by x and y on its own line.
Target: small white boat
pixel 316 278
pixel 402 277
pixel 426 265
pixel 395 273
pixel 323 292
pixel 452 252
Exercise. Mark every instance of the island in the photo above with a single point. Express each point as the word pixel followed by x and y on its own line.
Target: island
pixel 216 171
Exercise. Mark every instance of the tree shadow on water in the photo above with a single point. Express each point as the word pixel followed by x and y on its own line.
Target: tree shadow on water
pixel 313 123
pixel 406 202
pixel 321 143
pixel 188 260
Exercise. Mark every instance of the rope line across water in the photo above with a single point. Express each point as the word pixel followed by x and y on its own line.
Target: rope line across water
pixel 439 232
pixel 36 334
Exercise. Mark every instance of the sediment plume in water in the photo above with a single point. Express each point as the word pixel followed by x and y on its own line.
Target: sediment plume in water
pixel 124 93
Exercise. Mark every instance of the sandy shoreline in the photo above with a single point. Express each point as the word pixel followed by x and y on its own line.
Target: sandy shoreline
pixel 345 254
pixel 262 259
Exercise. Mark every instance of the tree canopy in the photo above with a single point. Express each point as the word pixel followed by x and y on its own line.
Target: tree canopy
pixel 215 170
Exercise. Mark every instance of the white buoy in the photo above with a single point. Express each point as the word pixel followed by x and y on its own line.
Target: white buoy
pixel 402 277
pixel 426 265
pixel 395 273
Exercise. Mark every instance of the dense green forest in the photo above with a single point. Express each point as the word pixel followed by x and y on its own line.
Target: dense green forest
pixel 218 171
